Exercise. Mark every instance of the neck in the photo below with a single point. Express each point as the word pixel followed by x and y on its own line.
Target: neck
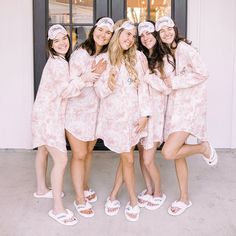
pixel 98 49
pixel 150 51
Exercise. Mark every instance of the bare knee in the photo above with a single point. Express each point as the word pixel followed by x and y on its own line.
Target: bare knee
pixel 128 161
pixel 147 163
pixel 79 155
pixel 61 161
pixel 168 154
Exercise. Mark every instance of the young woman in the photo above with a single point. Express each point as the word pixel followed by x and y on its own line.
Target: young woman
pixel 186 110
pixel 124 110
pixel 82 111
pixel 48 121
pixel 152 197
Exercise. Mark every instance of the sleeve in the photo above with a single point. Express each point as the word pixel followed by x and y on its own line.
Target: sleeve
pixel 101 86
pixel 65 86
pixel 156 83
pixel 144 99
pixel 193 73
pixel 143 91
pixel 78 64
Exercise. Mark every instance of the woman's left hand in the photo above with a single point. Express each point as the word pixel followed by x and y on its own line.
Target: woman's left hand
pixel 99 67
pixel 167 81
pixel 141 124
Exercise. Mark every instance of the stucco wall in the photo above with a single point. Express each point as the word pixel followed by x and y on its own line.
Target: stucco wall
pixel 212 28
pixel 16 89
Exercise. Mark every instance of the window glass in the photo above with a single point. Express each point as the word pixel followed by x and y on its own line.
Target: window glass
pixel 159 8
pixel 79 34
pixel 82 11
pixel 137 10
pixel 59 11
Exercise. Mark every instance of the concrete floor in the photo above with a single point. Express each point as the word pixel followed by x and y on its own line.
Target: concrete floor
pixel 212 191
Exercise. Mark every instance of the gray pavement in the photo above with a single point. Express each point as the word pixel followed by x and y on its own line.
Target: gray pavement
pixel 212 191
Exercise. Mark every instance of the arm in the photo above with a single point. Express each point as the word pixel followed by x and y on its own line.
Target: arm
pixel 156 83
pixel 193 73
pixel 101 86
pixel 64 85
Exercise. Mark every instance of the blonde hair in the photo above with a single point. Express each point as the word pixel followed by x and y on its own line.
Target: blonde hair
pixel 117 54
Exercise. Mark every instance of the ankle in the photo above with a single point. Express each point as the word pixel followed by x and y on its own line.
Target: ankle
pixel 42 190
pixel 80 200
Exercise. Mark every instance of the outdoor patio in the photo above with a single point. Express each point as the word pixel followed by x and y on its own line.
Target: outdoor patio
pixel 212 191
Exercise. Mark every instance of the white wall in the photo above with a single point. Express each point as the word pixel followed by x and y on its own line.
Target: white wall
pixel 212 28
pixel 16 62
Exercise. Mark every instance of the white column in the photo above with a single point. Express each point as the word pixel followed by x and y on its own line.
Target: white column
pixel 211 27
pixel 16 90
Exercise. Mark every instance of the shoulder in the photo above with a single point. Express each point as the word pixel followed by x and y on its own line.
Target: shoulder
pixel 56 61
pixel 140 55
pixel 186 48
pixel 102 56
pixel 80 52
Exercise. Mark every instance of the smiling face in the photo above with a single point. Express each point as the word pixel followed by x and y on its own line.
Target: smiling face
pixel 127 38
pixel 148 40
pixel 101 36
pixel 167 34
pixel 61 44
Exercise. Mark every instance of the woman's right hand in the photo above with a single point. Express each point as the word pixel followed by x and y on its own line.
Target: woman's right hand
pixel 90 77
pixel 99 67
pixel 112 79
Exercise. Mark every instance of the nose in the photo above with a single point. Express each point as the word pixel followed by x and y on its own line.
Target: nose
pixel 131 38
pixel 145 37
pixel 103 34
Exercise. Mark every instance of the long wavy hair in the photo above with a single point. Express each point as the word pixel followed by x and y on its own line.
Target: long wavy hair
pixel 89 44
pixel 117 54
pixel 52 52
pixel 156 52
pixel 168 51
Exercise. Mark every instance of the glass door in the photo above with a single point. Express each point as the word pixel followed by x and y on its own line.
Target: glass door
pixel 140 10
pixel 76 15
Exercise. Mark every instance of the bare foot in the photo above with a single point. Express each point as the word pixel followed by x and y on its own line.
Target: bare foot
pixel 207 149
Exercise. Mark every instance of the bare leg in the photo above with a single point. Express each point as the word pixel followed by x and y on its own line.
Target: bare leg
pixel 129 176
pixel 57 174
pixel 182 175
pixel 41 161
pixel 146 175
pixel 88 161
pixel 79 152
pixel 118 182
pixel 149 162
pixel 175 147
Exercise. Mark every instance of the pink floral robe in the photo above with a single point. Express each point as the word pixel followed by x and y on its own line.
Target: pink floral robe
pixel 187 103
pixel 48 116
pixel 158 96
pixel 121 109
pixel 82 111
